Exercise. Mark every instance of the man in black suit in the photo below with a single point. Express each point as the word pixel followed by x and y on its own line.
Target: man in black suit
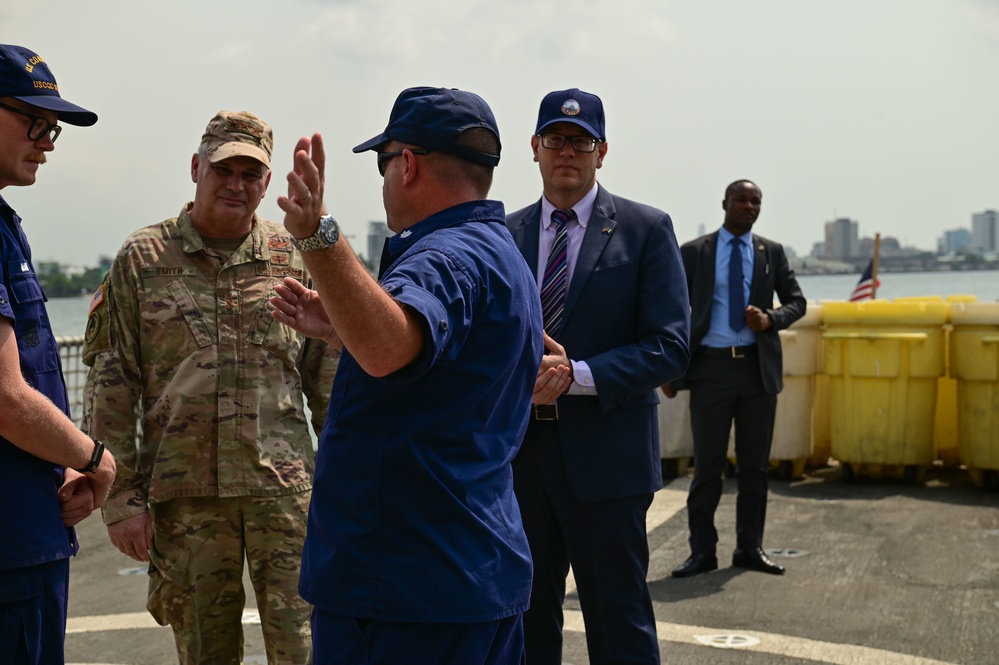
pixel 735 372
pixel 617 322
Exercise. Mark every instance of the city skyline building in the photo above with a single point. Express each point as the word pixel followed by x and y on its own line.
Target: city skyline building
pixel 984 232
pixel 377 233
pixel 842 239
pixel 954 241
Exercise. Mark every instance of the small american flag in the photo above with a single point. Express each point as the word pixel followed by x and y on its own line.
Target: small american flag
pixel 864 290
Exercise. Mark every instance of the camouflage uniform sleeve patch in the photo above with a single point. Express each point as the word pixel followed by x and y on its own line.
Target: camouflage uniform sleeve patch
pixel 98 335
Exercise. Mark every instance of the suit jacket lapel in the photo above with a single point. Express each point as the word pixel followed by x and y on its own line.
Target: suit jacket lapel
pixel 599 230
pixel 711 251
pixel 761 269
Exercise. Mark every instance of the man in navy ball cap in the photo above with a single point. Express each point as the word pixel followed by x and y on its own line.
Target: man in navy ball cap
pixel 415 550
pixel 55 475
pixel 616 318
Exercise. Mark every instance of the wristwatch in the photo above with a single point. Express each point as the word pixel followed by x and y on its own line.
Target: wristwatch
pixel 95 459
pixel 325 236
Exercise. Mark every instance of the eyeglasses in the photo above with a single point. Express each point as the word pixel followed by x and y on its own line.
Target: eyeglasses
pixel 579 143
pixel 39 126
pixel 384 157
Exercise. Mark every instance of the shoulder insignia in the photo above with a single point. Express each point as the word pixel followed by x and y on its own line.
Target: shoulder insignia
pixel 97 299
pixel 93 328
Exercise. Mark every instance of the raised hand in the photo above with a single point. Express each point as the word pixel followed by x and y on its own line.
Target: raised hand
pixel 303 206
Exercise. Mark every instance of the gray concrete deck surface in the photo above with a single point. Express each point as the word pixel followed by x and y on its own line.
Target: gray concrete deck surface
pixel 879 573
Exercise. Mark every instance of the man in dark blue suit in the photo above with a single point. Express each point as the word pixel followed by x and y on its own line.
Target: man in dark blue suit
pixel 617 321
pixel 735 373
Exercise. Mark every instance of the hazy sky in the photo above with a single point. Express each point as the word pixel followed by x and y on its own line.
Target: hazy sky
pixel 884 111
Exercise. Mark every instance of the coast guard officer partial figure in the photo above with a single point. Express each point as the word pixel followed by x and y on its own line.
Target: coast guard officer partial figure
pixel 54 475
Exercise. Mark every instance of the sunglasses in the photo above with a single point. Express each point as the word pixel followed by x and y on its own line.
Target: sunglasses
pixel 384 157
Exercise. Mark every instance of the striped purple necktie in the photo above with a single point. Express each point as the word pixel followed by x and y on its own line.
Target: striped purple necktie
pixel 553 284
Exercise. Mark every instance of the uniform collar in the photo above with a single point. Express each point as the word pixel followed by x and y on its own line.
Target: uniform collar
pixel 472 211
pixel 193 241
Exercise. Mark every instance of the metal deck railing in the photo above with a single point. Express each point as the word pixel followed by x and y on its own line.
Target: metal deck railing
pixel 71 354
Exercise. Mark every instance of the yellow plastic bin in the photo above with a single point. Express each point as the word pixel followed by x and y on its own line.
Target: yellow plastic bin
pixel 801 346
pixel 884 360
pixel 974 358
pixel 676 440
pixel 795 420
pixel 945 447
pixel 946 433
pixel 821 446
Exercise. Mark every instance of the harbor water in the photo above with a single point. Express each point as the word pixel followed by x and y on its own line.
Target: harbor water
pixel 69 315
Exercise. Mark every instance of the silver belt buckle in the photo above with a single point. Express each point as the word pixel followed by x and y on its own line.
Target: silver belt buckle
pixel 736 354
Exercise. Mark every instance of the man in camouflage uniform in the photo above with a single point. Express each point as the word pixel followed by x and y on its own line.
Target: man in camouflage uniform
pixel 181 339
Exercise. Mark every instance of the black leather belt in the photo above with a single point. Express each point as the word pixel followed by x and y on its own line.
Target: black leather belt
pixel 730 351
pixel 544 412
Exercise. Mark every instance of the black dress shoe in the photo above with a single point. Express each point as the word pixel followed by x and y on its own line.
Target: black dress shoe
pixel 756 559
pixel 695 565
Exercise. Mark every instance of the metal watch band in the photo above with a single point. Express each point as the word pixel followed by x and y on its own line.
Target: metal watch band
pixel 326 235
pixel 309 244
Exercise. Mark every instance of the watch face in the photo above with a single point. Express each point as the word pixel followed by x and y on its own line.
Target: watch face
pixel 325 236
pixel 329 229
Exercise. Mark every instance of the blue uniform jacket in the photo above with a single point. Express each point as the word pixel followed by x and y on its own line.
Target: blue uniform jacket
pixel 30 521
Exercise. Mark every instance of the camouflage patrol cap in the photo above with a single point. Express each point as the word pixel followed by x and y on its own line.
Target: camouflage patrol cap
pixel 238 134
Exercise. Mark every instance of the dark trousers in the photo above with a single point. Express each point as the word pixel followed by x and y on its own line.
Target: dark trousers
pixel 33 602
pixel 722 389
pixel 344 640
pixel 607 546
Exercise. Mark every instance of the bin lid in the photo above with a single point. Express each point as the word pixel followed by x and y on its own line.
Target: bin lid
pixel 812 316
pixel 907 311
pixel 974 313
pixel 918 299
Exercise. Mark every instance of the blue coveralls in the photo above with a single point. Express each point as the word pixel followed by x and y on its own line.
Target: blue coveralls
pixel 35 546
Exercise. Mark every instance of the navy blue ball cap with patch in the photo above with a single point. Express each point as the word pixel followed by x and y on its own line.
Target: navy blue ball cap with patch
pixel 435 118
pixel 24 75
pixel 575 106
